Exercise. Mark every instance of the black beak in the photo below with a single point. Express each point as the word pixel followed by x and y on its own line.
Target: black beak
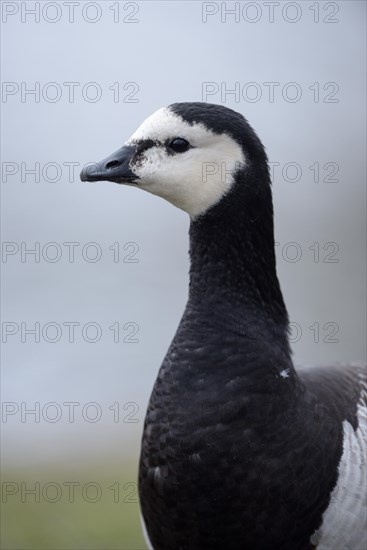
pixel 114 168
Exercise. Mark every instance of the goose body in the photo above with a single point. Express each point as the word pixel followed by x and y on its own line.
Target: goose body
pixel 240 450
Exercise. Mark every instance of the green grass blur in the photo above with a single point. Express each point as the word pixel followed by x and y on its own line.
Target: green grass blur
pixel 101 512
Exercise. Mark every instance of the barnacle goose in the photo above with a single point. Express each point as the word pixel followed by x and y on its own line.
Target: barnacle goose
pixel 240 450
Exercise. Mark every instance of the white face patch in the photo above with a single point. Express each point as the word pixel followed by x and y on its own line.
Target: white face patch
pixel 193 180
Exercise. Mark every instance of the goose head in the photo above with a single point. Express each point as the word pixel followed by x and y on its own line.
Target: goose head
pixel 190 154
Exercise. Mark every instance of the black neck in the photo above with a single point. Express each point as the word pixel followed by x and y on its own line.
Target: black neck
pixel 232 253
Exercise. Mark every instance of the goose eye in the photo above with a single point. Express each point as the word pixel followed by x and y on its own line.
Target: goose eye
pixel 179 145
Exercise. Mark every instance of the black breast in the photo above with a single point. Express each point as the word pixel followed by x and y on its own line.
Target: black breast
pixel 231 456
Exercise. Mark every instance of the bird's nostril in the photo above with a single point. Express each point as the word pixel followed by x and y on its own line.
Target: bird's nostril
pixel 112 164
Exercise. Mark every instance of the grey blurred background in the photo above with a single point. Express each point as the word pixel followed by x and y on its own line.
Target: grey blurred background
pixel 127 59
